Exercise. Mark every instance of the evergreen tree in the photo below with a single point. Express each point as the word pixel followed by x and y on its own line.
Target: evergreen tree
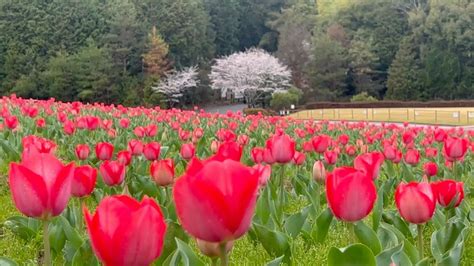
pixel 404 76
pixel 328 69
pixel 224 16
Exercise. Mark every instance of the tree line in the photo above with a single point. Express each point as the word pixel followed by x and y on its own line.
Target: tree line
pixel 115 51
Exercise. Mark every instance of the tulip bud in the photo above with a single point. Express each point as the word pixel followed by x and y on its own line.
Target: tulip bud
pixel 151 151
pixel 82 151
pixel 125 157
pixel 162 172
pixel 319 172
pixel 430 169
pixel 213 249
pixel 84 181
pixel 415 202
pixel 187 151
pixel 104 150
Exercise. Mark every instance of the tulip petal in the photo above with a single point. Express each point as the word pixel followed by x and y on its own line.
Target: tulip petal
pixel 29 191
pixel 61 190
pixel 143 237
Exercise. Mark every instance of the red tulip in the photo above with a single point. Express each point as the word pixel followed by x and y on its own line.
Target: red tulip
pixel 113 172
pixel 412 157
pixel 415 202
pixel 257 154
pixel 104 151
pixel 124 123
pixel 431 152
pixel 124 231
pixel 215 200
pixel 282 147
pixel 151 151
pixel 299 158
pixel 187 151
pixel 430 169
pixel 69 127
pixel 350 194
pixel 84 180
pixel 390 152
pixel 455 148
pixel 319 172
pixel 162 172
pixel 350 150
pixel 125 157
pixel 408 137
pixel 449 193
pixel 135 147
pixel 321 143
pixel 398 157
pixel 40 185
pixel 265 172
pixel 11 121
pixel 343 139
pixel 440 135
pixel 308 146
pixel 330 157
pixel 229 150
pixel 268 157
pixel 82 151
pixel 369 163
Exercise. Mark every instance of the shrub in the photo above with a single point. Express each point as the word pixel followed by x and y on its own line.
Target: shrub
pixel 363 97
pixel 284 100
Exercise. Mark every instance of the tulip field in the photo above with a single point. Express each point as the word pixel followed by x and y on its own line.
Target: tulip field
pixel 95 184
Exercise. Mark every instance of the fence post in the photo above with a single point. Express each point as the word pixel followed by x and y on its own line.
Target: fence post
pixel 436 116
pixel 352 114
pixel 389 115
pixel 408 115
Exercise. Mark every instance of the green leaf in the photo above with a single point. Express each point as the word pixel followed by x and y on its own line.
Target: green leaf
pixel 173 231
pixel 71 234
pixel 56 236
pixel 275 243
pixel 24 227
pixel 84 256
pixel 378 208
pixel 368 237
pixel 276 262
pixel 394 255
pixel 446 241
pixel 295 222
pixel 322 225
pixel 4 261
pixel 388 239
pixel 12 154
pixel 187 254
pixel 353 255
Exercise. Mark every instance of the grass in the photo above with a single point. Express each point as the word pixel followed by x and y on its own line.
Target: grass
pixel 245 252
pixel 441 116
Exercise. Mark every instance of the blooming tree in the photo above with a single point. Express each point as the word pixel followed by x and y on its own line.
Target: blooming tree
pixel 250 74
pixel 175 83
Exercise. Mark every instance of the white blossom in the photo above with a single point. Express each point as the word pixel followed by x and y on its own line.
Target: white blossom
pixel 176 83
pixel 245 73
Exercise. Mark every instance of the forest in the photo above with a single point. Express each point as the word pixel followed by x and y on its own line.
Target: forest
pixel 114 51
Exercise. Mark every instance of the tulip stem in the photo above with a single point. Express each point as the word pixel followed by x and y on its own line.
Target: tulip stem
pixel 282 185
pixel 47 250
pixel 223 254
pixel 80 222
pixel 352 239
pixel 420 240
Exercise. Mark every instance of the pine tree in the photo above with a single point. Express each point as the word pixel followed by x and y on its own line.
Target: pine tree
pixel 404 76
pixel 155 61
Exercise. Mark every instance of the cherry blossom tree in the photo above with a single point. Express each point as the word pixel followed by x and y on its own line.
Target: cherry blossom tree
pixel 250 75
pixel 174 85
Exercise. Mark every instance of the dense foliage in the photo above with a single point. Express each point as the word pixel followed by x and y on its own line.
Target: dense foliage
pixel 114 51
